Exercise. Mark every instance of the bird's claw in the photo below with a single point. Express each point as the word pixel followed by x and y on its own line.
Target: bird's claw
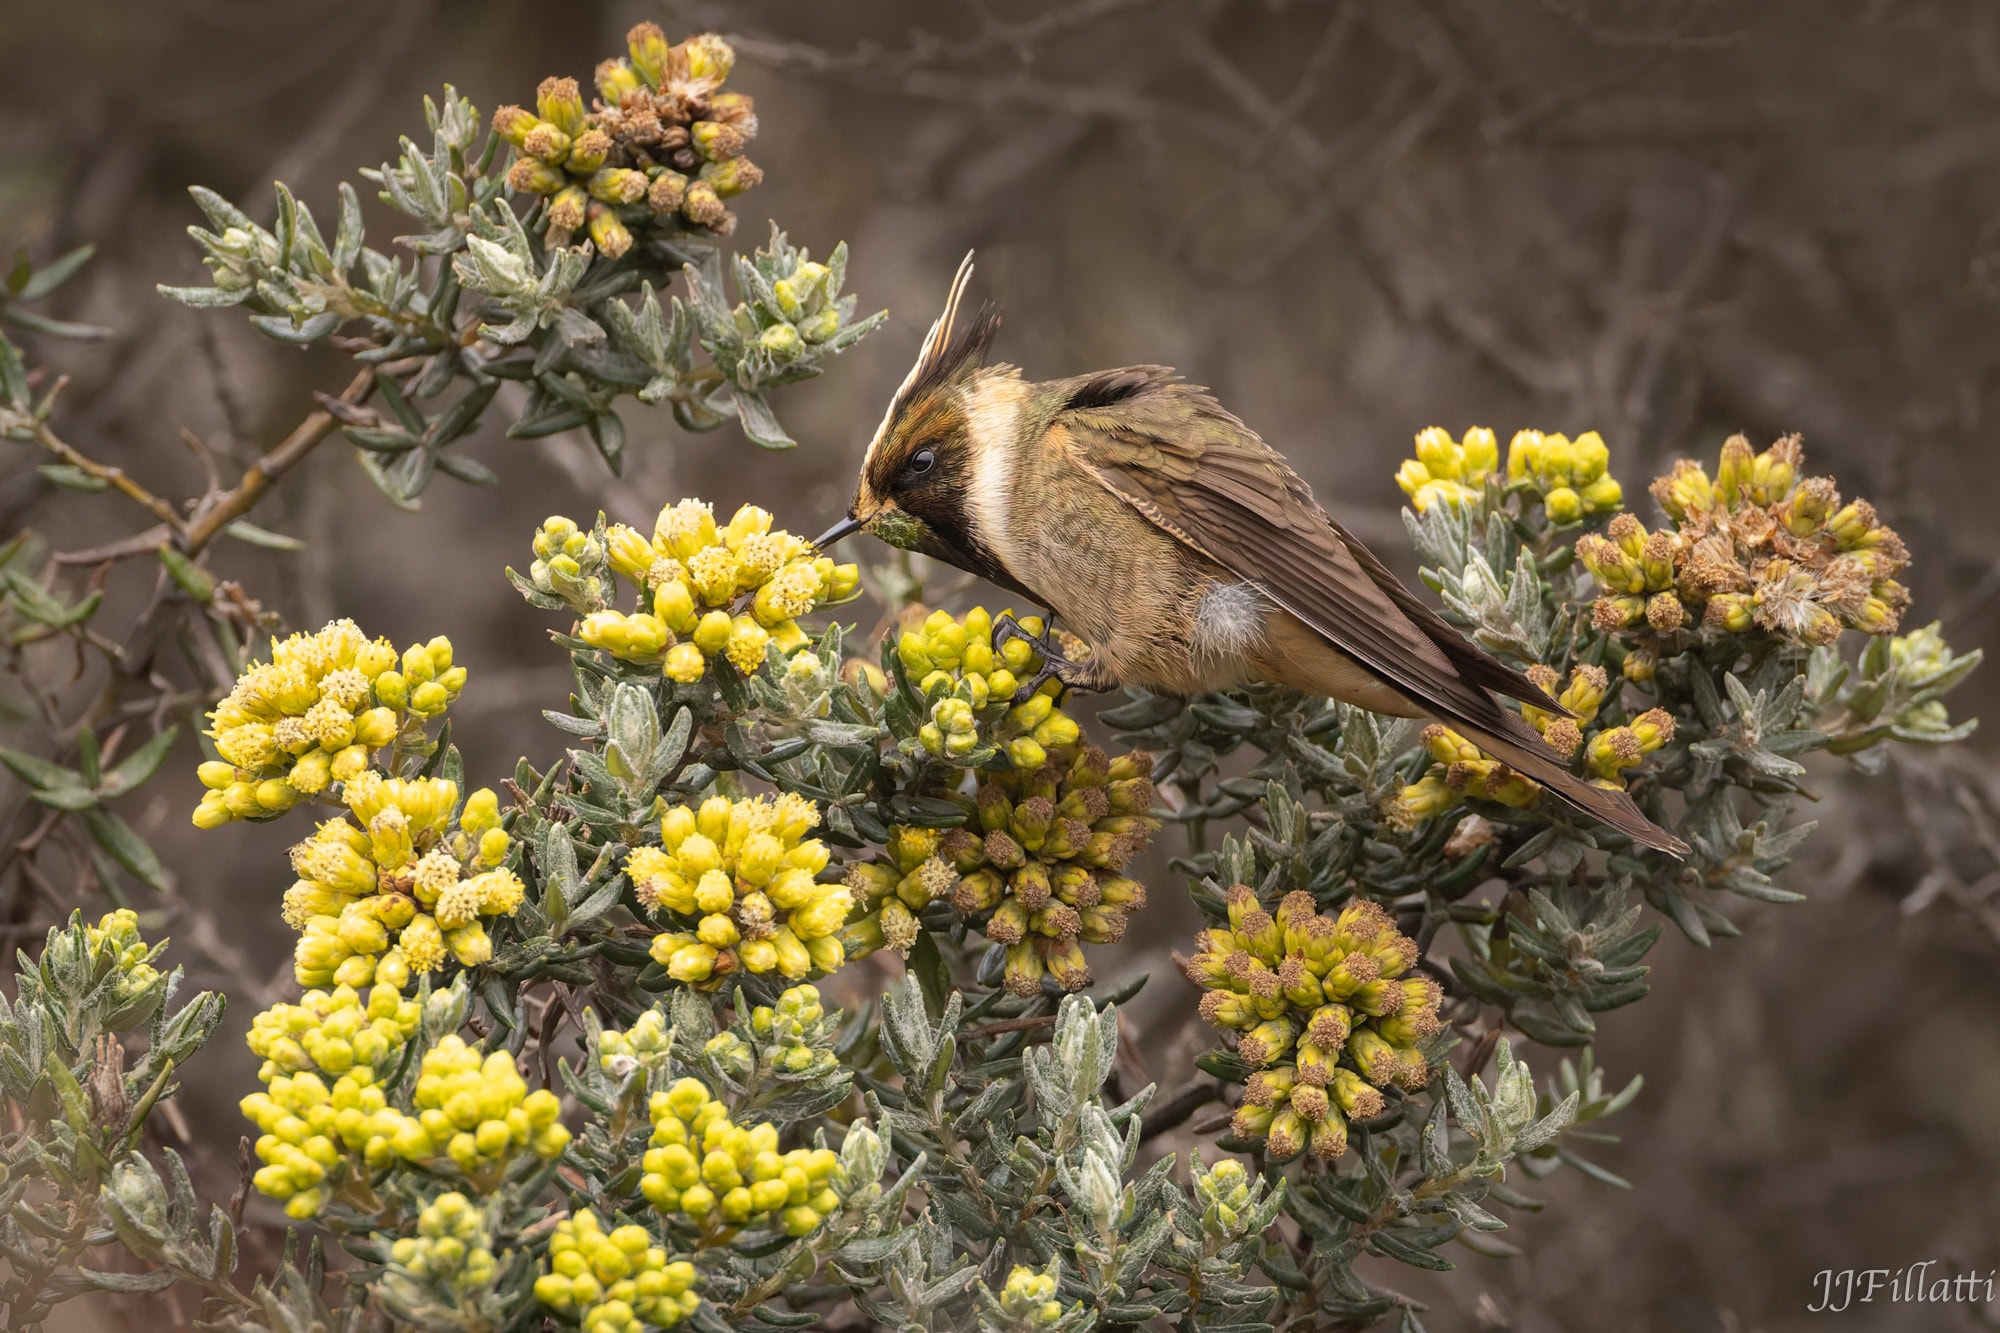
pixel 1073 675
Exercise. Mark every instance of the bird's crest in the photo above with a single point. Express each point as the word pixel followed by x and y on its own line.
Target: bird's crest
pixel 947 349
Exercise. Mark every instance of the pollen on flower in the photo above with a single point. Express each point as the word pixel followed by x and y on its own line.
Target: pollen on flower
pixel 663 140
pixel 705 591
pixel 314 716
pixel 737 883
pixel 614 1281
pixel 323 1116
pixel 1754 548
pixel 1325 1007
pixel 377 893
pixel 1037 874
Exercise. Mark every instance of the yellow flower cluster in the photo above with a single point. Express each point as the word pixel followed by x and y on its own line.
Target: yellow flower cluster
pixel 477 1112
pixel 400 890
pixel 1755 547
pixel 1463 770
pixel 565 556
pixel 793 1032
pixel 308 1130
pixel 474 1112
pixel 1029 1298
pixel 332 1031
pixel 1225 1194
pixel 705 1168
pixel 1446 469
pixel 970 684
pixel 116 937
pixel 1569 475
pixel 891 892
pixel 646 1042
pixel 740 881
pixel 1322 1008
pixel 663 148
pixel 1042 856
pixel 312 716
pixel 450 1253
pixel 727 591
pixel 616 1282
pixel 809 303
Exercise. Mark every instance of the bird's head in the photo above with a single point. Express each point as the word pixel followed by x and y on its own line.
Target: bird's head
pixel 924 462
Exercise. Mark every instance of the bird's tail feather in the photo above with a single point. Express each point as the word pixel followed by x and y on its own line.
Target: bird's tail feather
pixel 1511 740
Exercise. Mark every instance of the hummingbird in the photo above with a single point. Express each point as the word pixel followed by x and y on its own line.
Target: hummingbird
pixel 1182 548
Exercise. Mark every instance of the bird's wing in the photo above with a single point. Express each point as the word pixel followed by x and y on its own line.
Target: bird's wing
pixel 1195 471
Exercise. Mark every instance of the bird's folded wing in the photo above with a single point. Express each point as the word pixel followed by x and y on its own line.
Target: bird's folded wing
pixel 1199 474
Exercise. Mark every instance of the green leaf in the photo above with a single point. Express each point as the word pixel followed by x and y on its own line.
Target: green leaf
pixel 1392 1246
pixel 125 847
pixel 39 773
pixel 760 423
pixel 192 578
pixel 139 765
pixel 54 274
pixel 87 755
pixel 932 973
pixel 245 531
pixel 467 470
pixel 54 328
pixel 128 1283
pixel 71 478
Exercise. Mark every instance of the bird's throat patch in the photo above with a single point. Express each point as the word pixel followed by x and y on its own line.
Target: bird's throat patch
pixel 898 529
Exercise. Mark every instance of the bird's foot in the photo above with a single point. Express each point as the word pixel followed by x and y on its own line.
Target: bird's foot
pixel 1086 676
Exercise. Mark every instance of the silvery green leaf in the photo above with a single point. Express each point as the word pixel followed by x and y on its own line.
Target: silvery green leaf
pixel 203 298
pixel 906 1030
pixel 573 326
pixel 488 266
pixel 1548 1127
pixel 222 214
pixel 1469 1214
pixel 632 729
pixel 851 334
pixel 350 232
pixel 760 424
pixel 557 863
pixel 288 329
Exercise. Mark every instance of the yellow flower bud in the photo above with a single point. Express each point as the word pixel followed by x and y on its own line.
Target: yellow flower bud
pixel 712 634
pixel 1562 505
pixel 684 663
pixel 674 605
pixel 560 103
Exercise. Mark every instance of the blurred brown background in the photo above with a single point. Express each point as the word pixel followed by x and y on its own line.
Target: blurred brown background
pixel 1663 220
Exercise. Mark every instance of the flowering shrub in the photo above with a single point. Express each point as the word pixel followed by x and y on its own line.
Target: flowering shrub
pixel 560 1056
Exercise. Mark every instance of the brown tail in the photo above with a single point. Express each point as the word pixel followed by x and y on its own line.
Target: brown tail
pixel 1511 740
pixel 1293 654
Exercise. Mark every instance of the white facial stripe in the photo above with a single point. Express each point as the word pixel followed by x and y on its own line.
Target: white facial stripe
pixel 993 418
pixel 934 344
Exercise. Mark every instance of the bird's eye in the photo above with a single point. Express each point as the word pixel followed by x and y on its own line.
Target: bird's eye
pixel 921 463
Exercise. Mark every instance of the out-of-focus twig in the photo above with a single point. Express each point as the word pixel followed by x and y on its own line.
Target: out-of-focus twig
pixel 220 512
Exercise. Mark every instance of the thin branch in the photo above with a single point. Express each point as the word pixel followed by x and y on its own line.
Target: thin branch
pixel 115 477
pixel 1178 1109
pixel 146 542
pixel 212 518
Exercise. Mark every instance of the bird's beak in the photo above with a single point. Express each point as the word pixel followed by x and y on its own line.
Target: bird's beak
pixel 845 527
